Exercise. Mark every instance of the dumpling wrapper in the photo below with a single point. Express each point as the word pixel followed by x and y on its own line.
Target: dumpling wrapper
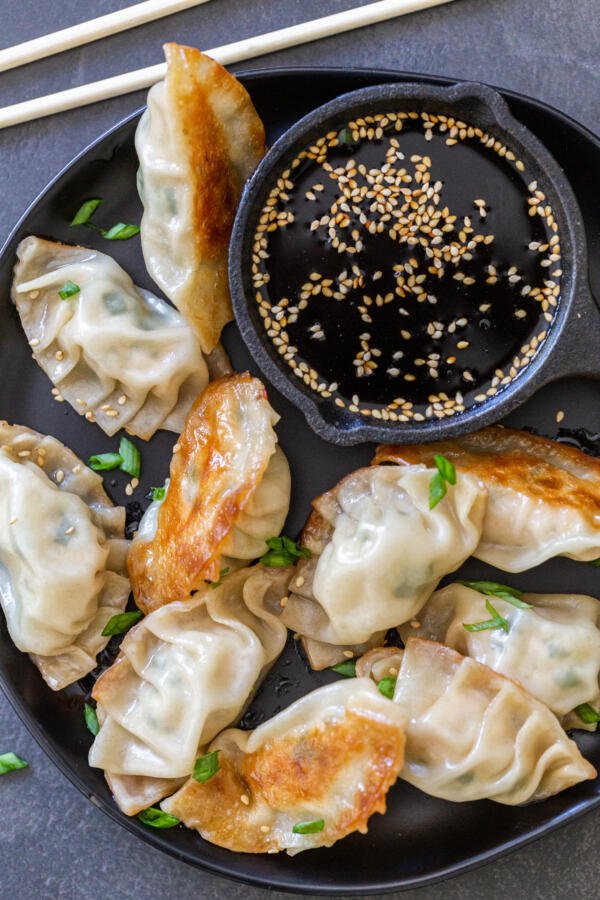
pixel 119 355
pixel 473 734
pixel 332 755
pixel 229 491
pixel 553 649
pixel 183 674
pixel 544 497
pixel 198 142
pixel 62 555
pixel 378 552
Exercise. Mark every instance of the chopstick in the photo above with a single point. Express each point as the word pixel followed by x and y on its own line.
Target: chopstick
pixel 226 54
pixel 93 30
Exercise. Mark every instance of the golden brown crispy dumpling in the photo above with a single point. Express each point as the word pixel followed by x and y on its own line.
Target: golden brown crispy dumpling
pixel 198 142
pixel 329 759
pixel 544 497
pixel 229 491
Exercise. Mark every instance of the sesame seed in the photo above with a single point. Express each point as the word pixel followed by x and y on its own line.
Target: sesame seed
pixel 560 415
pixel 70 530
pixel 299 581
pixel 60 475
pixel 245 799
pixel 128 490
pixel 34 342
pixel 348 654
pixel 283 601
pixel 265 829
pixel 12 521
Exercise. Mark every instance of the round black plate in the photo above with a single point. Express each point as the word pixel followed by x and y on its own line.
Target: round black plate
pixel 420 839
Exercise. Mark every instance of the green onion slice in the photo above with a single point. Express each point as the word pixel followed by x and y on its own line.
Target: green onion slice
pixel 121 232
pixel 502 591
pixel 103 462
pixel 91 719
pixel 157 818
pixel 497 621
pixel 206 766
pixel 387 686
pixel 347 668
pixel 309 827
pixel 283 551
pixel 587 714
pixel 445 468
pixel 157 493
pixel 69 289
pixel 219 581
pixel 131 458
pixel 595 562
pixel 122 622
pixel 86 211
pixel 10 762
pixel 437 490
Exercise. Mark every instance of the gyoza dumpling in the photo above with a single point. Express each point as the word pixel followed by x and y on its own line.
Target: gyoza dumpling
pixel 62 555
pixel 198 142
pixel 552 649
pixel 229 491
pixel 473 734
pixel 544 497
pixel 117 354
pixel 326 762
pixel 378 553
pixel 183 673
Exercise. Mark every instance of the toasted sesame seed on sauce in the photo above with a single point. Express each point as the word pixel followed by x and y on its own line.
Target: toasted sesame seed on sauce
pixel 406 248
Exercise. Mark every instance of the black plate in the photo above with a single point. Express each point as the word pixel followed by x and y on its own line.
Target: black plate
pixel 420 839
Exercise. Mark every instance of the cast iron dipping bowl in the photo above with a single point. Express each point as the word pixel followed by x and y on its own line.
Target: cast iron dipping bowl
pixel 324 286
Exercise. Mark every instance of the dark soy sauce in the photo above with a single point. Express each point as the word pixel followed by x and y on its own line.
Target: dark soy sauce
pixel 480 326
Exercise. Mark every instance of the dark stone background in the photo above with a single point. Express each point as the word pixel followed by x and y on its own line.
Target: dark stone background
pixel 53 842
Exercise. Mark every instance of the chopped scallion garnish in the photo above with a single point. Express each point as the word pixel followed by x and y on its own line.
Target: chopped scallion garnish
pixel 387 686
pixel 120 232
pixel 219 581
pixel 309 827
pixel 502 591
pixel 131 458
pixel 587 714
pixel 446 473
pixel 157 818
pixel 121 623
pixel 103 462
pixel 595 562
pixel 91 719
pixel 157 493
pixel 206 766
pixel 497 621
pixel 283 552
pixel 10 762
pixel 86 211
pixel 347 668
pixel 69 289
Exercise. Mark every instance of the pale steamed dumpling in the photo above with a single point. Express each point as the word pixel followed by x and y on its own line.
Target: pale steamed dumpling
pixel 378 553
pixel 182 674
pixel 552 649
pixel 61 555
pixel 473 734
pixel 117 354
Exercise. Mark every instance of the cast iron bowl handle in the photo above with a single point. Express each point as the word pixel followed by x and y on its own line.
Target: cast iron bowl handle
pixel 577 352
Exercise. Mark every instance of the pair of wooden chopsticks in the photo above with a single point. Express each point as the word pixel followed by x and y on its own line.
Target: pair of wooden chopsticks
pixel 144 78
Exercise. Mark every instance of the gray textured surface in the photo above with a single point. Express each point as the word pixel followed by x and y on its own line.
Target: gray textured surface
pixel 54 843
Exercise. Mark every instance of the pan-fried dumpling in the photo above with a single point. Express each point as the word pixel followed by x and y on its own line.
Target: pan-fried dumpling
pixel 552 649
pixel 473 734
pixel 198 142
pixel 329 759
pixel 378 553
pixel 228 492
pixel 183 674
pixel 117 354
pixel 544 497
pixel 62 555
